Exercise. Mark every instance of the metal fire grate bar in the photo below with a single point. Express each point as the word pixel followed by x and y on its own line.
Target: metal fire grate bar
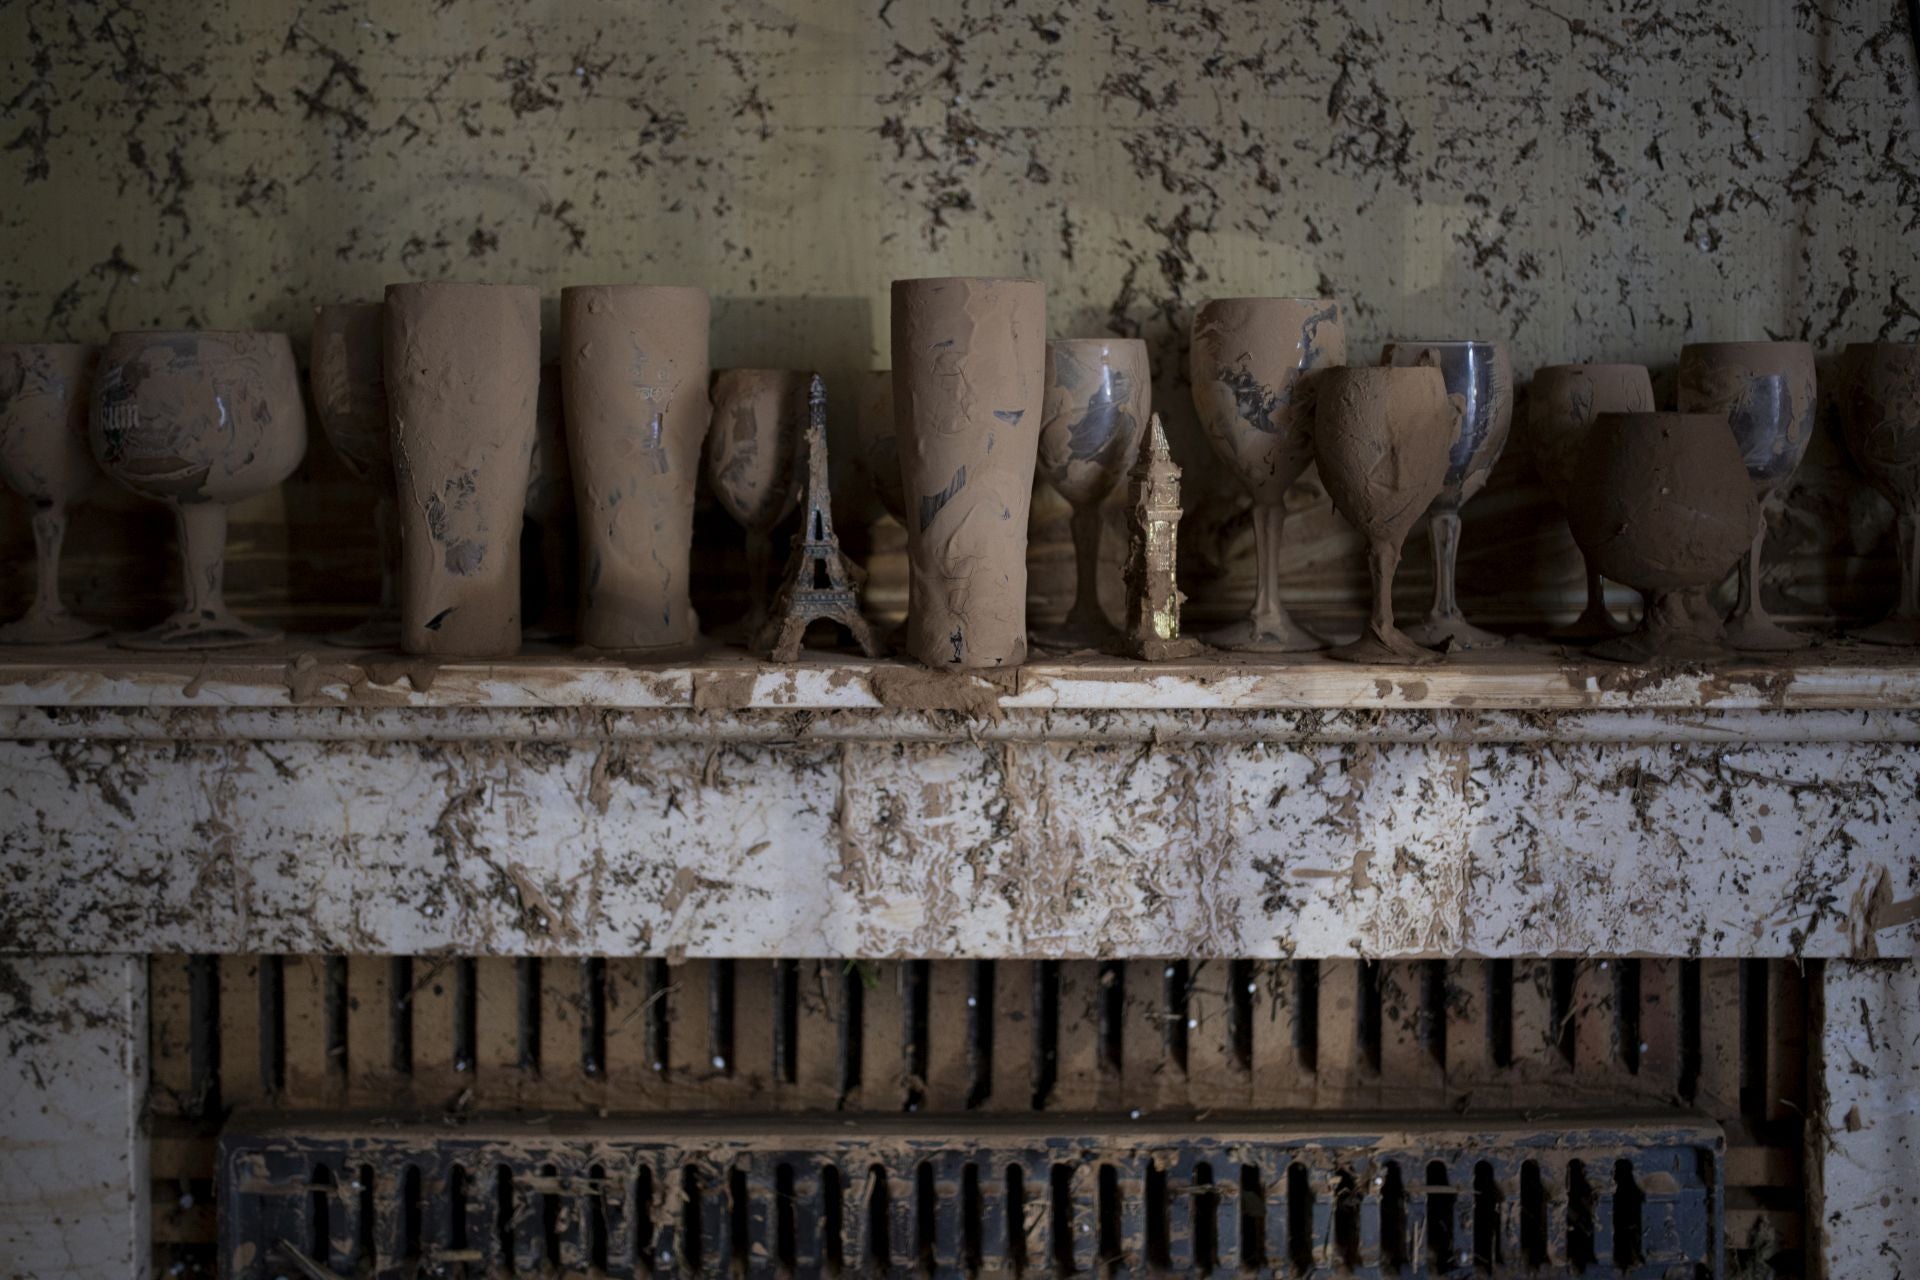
pixel 889 1197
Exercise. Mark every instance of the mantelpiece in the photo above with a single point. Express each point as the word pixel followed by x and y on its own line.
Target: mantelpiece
pixel 1523 803
pixel 1520 804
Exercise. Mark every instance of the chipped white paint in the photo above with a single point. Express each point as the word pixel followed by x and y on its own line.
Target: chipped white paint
pixel 1864 1149
pixel 1480 821
pixel 73 1076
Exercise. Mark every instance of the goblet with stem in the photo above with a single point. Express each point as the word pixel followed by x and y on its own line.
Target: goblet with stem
pixel 1253 363
pixel 198 420
pixel 1565 400
pixel 1880 416
pixel 347 372
pixel 1382 440
pixel 1666 508
pixel 1098 395
pixel 1481 374
pixel 44 458
pixel 753 463
pixel 1766 390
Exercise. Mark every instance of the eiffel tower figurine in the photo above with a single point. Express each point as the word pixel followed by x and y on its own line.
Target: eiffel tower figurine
pixel 818 582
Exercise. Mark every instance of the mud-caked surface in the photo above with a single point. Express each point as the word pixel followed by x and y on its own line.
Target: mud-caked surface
pixel 1562 403
pixel 1666 503
pixel 634 371
pixel 1253 367
pixel 1382 441
pixel 463 376
pixel 1767 392
pixel 969 368
pixel 44 393
pixel 186 417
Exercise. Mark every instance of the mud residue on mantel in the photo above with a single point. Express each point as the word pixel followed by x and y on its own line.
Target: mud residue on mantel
pixel 976 694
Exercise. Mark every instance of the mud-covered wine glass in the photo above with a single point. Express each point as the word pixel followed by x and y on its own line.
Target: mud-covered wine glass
pixel 1880 416
pixel 753 464
pixel 1665 507
pixel 1098 395
pixel 1565 400
pixel 1766 390
pixel 1253 365
pixel 1381 439
pixel 45 459
pixel 198 420
pixel 1481 374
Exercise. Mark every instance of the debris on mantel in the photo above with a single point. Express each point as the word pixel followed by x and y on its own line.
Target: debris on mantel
pixel 303 674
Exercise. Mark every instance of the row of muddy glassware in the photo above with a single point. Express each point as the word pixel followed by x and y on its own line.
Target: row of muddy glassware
pixel 436 399
pixel 1667 503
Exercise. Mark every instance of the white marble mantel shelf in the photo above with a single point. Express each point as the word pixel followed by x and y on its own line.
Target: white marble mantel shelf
pixel 1524 802
pixel 308 675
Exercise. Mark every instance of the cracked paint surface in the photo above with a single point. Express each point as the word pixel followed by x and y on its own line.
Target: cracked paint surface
pixel 1865 1142
pixel 73 1175
pixel 686 842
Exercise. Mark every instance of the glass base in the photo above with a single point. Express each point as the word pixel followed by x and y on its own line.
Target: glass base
pixel 1084 633
pixel 1276 634
pixel 1452 634
pixel 1385 646
pixel 685 651
pixel 1154 649
pixel 1758 634
pixel 1649 647
pixel 1892 629
pixel 1593 625
pixel 186 632
pixel 49 628
pixel 381 631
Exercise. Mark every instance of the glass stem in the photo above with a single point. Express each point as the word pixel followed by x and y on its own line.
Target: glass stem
pixel 759 556
pixel 1444 529
pixel 49 532
pixel 1086 560
pixel 203 557
pixel 1383 558
pixel 1749 605
pixel 1269 522
pixel 1596 591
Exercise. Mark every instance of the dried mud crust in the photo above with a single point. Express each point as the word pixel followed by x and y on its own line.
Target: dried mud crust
pixel 969 357
pixel 303 672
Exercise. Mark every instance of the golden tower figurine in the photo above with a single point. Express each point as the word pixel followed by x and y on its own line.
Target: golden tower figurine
pixel 1153 516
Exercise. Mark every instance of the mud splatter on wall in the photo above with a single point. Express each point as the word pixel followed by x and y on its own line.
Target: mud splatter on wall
pixel 1585 182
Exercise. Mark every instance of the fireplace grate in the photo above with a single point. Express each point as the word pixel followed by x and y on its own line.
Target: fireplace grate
pixel 318 1195
pixel 1013 1042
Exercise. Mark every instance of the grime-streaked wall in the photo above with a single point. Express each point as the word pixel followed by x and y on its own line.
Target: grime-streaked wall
pixel 1583 181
